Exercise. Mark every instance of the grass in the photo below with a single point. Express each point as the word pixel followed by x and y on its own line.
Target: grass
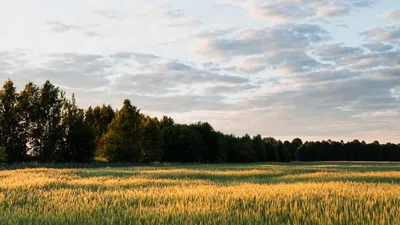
pixel 297 193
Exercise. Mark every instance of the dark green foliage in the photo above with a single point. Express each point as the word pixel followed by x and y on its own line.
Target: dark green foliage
pixel 122 142
pixel 245 150
pixel 29 105
pixel 284 151
pixel 211 151
pixel 391 152
pixel 152 140
pixel 271 145
pixel 181 143
pixel 40 124
pixel 350 151
pixel 79 142
pixel 48 135
pixel 99 119
pixel 296 143
pixel 12 137
pixel 166 122
pixel 259 148
pixel 223 148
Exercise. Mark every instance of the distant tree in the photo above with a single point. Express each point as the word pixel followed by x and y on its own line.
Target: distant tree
pixel 284 151
pixel 259 148
pixel 152 140
pixel 49 132
pixel 89 118
pixel 303 152
pixel 244 150
pixel 12 137
pixel 271 145
pixel 40 123
pixel 182 143
pixel 100 118
pixel 122 142
pixel 211 151
pixel 166 122
pixel 223 147
pixel 296 143
pixel 374 152
pixel 355 150
pixel 233 153
pixel 79 138
pixel 391 152
pixel 29 105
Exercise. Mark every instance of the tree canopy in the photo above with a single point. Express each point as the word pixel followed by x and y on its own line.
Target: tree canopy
pixel 40 123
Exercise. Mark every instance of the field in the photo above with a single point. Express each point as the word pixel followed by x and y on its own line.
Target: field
pixel 297 193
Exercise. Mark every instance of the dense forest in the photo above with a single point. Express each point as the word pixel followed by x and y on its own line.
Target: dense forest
pixel 41 124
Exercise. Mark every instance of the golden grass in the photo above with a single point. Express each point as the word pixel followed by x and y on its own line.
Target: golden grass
pixel 340 193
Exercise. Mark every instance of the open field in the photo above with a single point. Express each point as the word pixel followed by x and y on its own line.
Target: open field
pixel 297 193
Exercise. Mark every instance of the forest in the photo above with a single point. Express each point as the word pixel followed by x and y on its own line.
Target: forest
pixel 41 124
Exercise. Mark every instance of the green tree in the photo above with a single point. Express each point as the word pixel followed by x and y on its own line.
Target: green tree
pixel 89 118
pixel 122 142
pixel 223 147
pixel 166 122
pixel 79 138
pixel 211 151
pixel 152 140
pixel 271 145
pixel 259 148
pixel 48 135
pixel 12 137
pixel 182 143
pixel 244 149
pixel 296 143
pixel 100 118
pixel 29 105
pixel 284 151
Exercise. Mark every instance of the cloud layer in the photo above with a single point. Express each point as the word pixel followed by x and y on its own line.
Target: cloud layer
pixel 307 68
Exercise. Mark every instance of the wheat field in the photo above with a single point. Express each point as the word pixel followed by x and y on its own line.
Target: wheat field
pixel 297 193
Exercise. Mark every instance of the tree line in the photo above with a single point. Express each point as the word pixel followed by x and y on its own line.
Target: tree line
pixel 41 124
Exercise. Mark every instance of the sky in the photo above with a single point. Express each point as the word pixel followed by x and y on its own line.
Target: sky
pixel 314 69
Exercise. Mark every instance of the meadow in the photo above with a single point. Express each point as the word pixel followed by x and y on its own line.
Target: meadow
pixel 296 193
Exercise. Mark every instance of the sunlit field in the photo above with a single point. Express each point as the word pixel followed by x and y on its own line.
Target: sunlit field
pixel 297 193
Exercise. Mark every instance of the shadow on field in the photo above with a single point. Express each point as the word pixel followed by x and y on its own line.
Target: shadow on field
pixel 229 177
pixel 35 165
pixel 227 181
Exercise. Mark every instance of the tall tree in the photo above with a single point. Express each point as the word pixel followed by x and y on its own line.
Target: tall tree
pixel 79 138
pixel 245 150
pixel 152 140
pixel 182 143
pixel 166 122
pixel 284 151
pixel 29 105
pixel 211 151
pixel 89 118
pixel 271 145
pixel 296 143
pixel 49 130
pixel 12 137
pixel 100 118
pixel 259 148
pixel 122 142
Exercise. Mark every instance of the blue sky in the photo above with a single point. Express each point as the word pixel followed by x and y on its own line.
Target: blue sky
pixel 314 69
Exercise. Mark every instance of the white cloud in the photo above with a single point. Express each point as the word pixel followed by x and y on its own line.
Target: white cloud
pixel 282 71
pixel 58 27
pixel 389 33
pixel 247 42
pixel 393 14
pixel 292 10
